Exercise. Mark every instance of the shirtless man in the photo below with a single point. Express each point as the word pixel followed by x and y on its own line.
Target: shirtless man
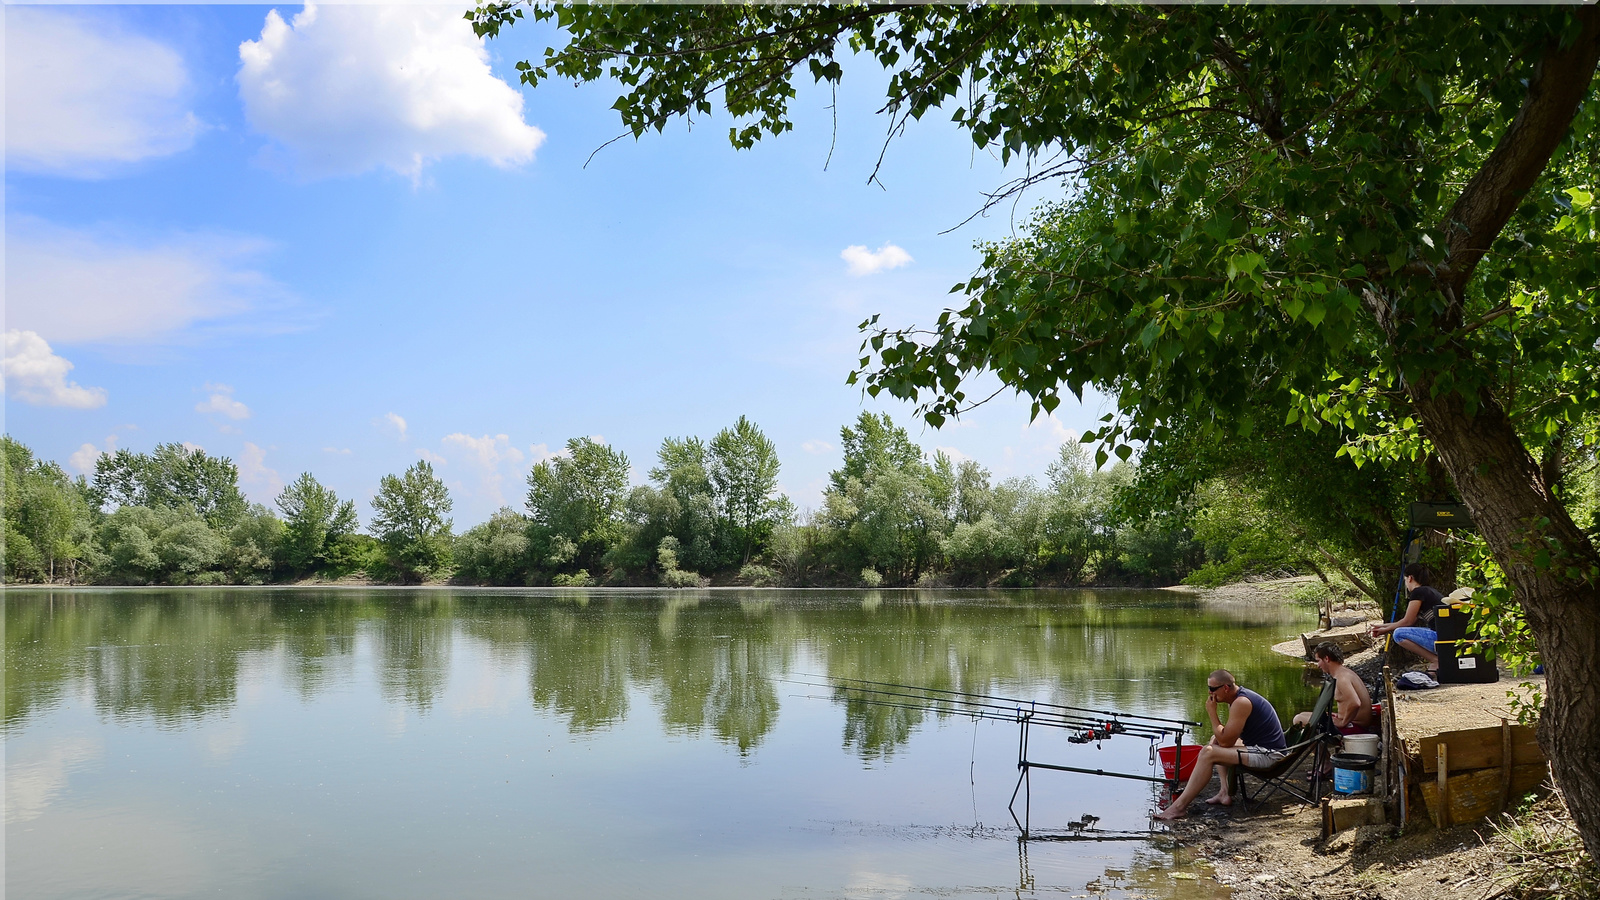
pixel 1354 712
pixel 1252 736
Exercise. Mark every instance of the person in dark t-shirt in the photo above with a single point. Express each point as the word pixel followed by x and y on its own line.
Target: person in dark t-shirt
pixel 1253 737
pixel 1415 630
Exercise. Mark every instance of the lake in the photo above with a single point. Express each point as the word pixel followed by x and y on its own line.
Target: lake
pixel 426 743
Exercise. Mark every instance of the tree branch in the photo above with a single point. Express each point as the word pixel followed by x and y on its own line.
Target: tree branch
pixel 1559 84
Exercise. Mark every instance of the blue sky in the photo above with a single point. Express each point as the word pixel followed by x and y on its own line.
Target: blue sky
pixel 340 239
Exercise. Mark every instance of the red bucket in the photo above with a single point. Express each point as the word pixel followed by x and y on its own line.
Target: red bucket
pixel 1169 760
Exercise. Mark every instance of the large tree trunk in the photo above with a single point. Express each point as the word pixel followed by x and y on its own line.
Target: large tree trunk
pixel 1519 518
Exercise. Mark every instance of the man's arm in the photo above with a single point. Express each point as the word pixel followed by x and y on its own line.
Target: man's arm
pixel 1413 609
pixel 1238 712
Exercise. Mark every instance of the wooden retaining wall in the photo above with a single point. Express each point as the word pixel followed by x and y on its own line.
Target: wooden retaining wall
pixel 1463 776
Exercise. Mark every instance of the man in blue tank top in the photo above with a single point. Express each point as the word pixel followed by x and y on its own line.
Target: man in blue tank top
pixel 1252 737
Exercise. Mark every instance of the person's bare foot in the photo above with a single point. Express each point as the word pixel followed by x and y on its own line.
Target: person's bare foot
pixel 1172 812
pixel 1220 800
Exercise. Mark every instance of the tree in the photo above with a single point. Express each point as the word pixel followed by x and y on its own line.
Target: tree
pixel 576 497
pixel 49 523
pixel 408 519
pixel 171 476
pixel 744 474
pixel 313 518
pixel 1380 219
pixel 875 444
pixel 160 544
pixel 884 503
pixel 687 505
pixel 495 552
pixel 254 544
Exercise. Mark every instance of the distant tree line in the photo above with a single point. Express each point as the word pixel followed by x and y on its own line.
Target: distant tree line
pixel 1205 510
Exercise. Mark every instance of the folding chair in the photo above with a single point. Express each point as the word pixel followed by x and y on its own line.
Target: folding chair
pixel 1282 775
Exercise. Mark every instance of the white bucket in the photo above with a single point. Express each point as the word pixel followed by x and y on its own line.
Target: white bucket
pixel 1361 745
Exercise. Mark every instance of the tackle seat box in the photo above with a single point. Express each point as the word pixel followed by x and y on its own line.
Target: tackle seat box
pixel 1458 664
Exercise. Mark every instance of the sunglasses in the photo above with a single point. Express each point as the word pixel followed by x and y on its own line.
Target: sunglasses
pixel 1215 689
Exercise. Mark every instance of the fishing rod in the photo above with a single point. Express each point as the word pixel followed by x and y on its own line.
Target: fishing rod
pixel 1096 728
pixel 1045 717
pixel 1081 709
pixel 1085 731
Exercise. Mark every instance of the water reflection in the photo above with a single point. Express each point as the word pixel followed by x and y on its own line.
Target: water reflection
pixel 709 662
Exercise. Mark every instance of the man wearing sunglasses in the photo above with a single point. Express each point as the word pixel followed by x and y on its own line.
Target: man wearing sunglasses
pixel 1252 737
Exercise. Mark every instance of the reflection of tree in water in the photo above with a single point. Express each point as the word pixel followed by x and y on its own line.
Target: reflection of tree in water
pixel 711 663
pixel 581 662
pixel 875 730
pixel 413 645
pixel 161 658
pixel 718 668
pixel 317 638
pixel 743 701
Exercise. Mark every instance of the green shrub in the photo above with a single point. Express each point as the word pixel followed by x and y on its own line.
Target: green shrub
pixel 871 578
pixel 757 575
pixel 579 578
pixel 678 578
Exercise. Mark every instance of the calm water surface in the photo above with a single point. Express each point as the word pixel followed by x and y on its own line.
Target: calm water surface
pixel 370 743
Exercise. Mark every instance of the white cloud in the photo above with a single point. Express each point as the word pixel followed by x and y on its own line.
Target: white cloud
pixel 487 451
pixel 36 775
pixel 34 374
pixel 956 456
pixel 338 451
pixel 538 453
pixel 487 454
pixel 192 446
pixel 346 89
pixel 80 286
pixel 392 423
pixel 261 482
pixel 432 457
pixel 84 458
pixel 866 262
pixel 1053 428
pixel 816 447
pixel 84 96
pixel 222 403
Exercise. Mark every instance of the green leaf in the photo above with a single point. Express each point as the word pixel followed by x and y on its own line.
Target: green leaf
pixel 1315 312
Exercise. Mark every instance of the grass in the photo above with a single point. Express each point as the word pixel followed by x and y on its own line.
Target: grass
pixel 1538 853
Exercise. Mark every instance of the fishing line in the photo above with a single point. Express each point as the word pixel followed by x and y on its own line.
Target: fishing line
pixel 972 774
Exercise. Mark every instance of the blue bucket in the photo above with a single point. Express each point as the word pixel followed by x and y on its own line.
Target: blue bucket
pixel 1352 774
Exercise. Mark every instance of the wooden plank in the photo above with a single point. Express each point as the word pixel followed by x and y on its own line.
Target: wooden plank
pixel 1506 754
pixel 1349 643
pixel 1477 794
pixel 1441 806
pixel 1481 748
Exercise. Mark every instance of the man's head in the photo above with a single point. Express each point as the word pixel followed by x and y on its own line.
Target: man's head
pixel 1222 686
pixel 1417 575
pixel 1329 656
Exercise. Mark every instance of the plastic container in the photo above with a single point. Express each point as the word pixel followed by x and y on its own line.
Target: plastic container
pixel 1361 745
pixel 1170 764
pixel 1352 774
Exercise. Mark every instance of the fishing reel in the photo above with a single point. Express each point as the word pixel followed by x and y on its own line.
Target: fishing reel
pixel 1096 735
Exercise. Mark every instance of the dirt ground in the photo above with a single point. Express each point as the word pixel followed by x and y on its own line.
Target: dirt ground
pixel 1276 852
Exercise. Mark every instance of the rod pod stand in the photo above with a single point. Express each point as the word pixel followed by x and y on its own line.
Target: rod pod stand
pixel 1026 767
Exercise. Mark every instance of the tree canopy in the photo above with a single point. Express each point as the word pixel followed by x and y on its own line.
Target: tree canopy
pixel 171 476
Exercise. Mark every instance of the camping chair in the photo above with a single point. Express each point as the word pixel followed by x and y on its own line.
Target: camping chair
pixel 1282 775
